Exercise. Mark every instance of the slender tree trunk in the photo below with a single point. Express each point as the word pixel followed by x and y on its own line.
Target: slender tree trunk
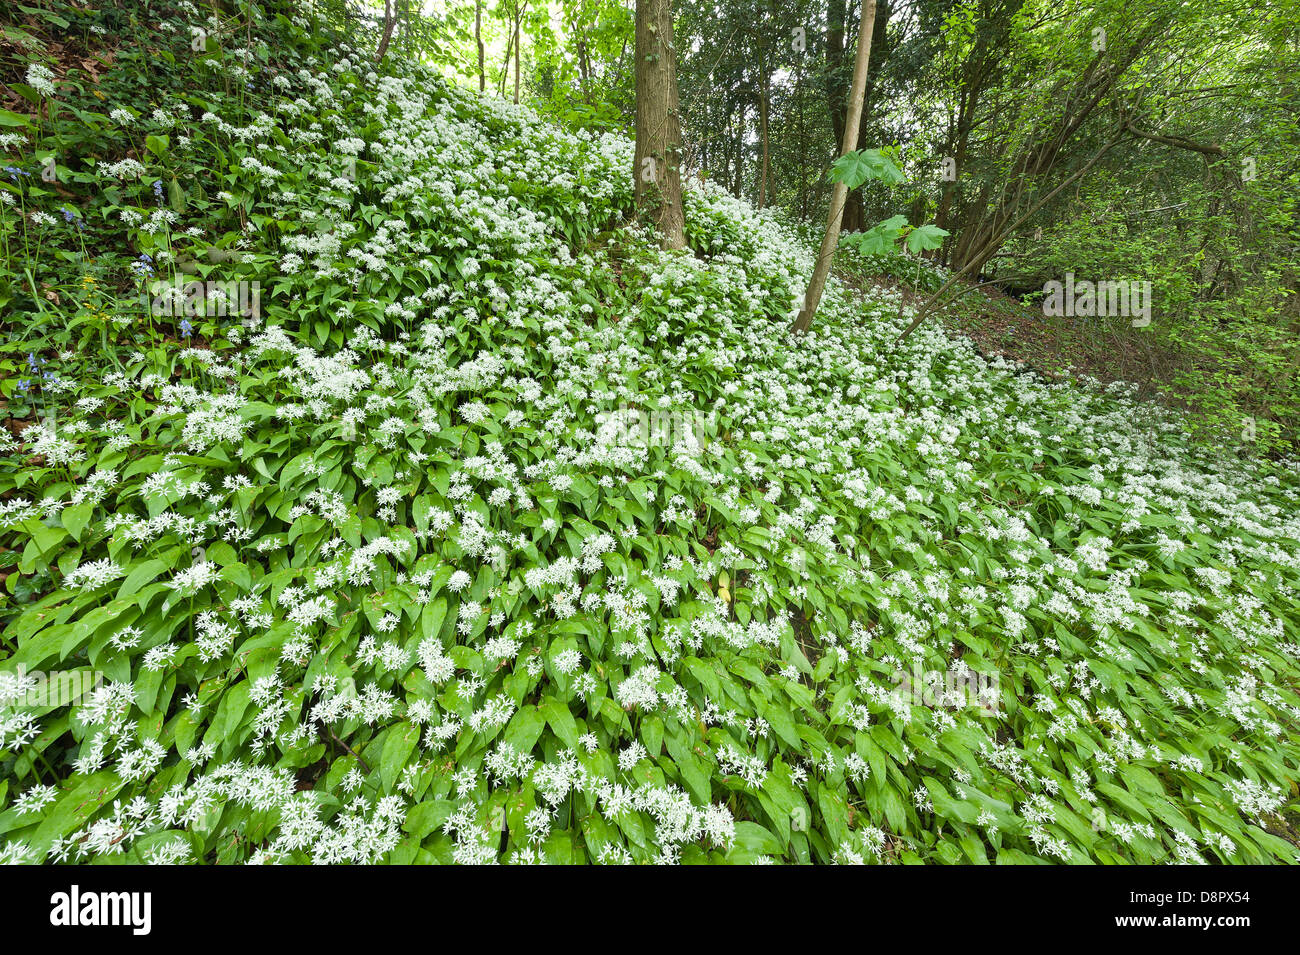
pixel 389 23
pixel 478 41
pixel 584 63
pixel 657 161
pixel 803 143
pixel 505 64
pixel 519 41
pixel 855 208
pixel 738 184
pixel 839 193
pixel 764 102
pixel 835 15
pixel 581 24
pixel 722 147
pixel 837 93
pixel 704 151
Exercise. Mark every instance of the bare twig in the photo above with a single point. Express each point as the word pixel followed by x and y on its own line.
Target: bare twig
pixel 325 730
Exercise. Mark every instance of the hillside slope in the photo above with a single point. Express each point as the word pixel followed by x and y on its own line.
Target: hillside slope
pixel 483 530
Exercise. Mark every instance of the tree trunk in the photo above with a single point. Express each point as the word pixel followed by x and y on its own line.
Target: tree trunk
pixel 764 103
pixel 738 183
pixel 835 14
pixel 657 163
pixel 389 22
pixel 478 41
pixel 519 42
pixel 837 88
pixel 839 194
pixel 855 209
pixel 505 65
pixel 802 139
pixel 584 68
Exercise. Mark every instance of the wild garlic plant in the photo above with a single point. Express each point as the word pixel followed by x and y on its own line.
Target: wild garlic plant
pixel 501 535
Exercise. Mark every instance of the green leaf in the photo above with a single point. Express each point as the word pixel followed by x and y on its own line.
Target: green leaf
pixel 879 239
pixel 398 746
pixel 561 721
pixel 855 168
pixel 925 237
pixel 10 118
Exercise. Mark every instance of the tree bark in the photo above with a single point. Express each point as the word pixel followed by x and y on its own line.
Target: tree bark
pixel 656 165
pixel 389 23
pixel 855 208
pixel 764 104
pixel 839 194
pixel 837 87
pixel 478 41
pixel 738 183
pixel 580 27
pixel 505 65
pixel 520 10
pixel 802 139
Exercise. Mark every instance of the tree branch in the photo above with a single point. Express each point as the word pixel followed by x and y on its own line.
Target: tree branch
pixel 981 255
pixel 1208 149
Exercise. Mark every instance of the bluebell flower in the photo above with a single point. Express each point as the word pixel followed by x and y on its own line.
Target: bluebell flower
pixel 157 188
pixel 186 327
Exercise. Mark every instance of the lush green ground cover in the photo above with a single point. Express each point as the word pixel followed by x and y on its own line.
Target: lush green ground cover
pixel 494 533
